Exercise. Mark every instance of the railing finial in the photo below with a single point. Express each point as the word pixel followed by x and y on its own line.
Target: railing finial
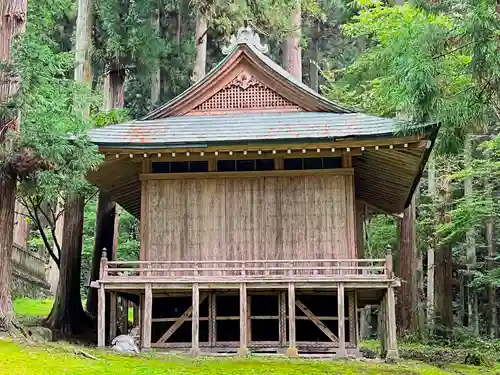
pixel 388 249
pixel 104 254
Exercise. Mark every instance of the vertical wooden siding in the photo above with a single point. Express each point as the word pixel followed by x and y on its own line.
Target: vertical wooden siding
pixel 288 217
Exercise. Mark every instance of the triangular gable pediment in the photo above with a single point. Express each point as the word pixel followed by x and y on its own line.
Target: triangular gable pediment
pixel 246 91
pixel 245 81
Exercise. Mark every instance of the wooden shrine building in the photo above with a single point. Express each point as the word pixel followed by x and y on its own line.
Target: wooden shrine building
pixel 250 189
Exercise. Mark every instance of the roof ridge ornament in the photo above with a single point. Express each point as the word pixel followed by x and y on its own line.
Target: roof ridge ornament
pixel 245 35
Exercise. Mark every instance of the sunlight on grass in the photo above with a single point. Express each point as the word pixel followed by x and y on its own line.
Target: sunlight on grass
pixel 58 359
pixel 32 307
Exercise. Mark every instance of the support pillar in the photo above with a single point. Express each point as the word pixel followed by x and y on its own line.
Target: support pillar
pixel 390 316
pixel 243 351
pixel 195 322
pixel 147 318
pixel 101 317
pixel 212 320
pixel 282 319
pixel 112 315
pixel 292 345
pixel 124 314
pixel 341 353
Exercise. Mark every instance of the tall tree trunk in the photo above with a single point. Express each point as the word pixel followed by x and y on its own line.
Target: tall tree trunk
pixel 492 288
pixel 7 202
pixel 201 46
pixel 472 308
pixel 408 262
pixel 314 61
pixel 443 297
pixel 12 22
pixel 67 313
pixel 432 243
pixel 106 217
pixel 292 53
pixel 156 73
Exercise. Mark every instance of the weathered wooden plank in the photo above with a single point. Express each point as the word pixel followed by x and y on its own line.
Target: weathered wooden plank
pixel 352 317
pixel 292 349
pixel 340 305
pixel 101 317
pixel 112 315
pixel 282 318
pixel 392 345
pixel 178 321
pixel 243 350
pixel 249 322
pixel 316 321
pixel 148 313
pixel 212 322
pixel 195 327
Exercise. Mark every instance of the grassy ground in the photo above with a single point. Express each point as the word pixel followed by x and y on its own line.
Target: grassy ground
pixel 57 359
pixel 17 359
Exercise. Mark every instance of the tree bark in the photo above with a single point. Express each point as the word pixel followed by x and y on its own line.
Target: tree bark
pixel 67 315
pixel 104 238
pixel 408 271
pixel 472 310
pixel 314 61
pixel 201 46
pixel 443 297
pixel 156 73
pixel 292 52
pixel 7 202
pixel 432 243
pixel 114 92
pixel 492 289
pixel 12 23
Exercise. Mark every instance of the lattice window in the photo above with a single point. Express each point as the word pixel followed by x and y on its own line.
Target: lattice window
pixel 245 92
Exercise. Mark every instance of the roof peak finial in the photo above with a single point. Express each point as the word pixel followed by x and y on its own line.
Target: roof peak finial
pixel 245 35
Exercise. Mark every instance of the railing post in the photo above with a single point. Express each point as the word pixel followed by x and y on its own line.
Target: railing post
pixel 243 270
pixel 103 265
pixel 388 261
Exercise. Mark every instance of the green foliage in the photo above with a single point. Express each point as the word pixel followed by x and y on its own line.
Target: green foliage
pixel 381 230
pixel 50 127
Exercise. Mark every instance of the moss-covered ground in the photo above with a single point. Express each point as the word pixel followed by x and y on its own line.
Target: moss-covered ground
pixel 19 358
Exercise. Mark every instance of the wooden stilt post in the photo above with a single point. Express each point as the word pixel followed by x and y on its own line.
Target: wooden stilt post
pixel 101 302
pixel 282 318
pixel 136 320
pixel 341 315
pixel 195 327
pixel 352 318
pixel 124 315
pixel 249 319
pixel 147 317
pixel 292 345
pixel 101 317
pixel 243 351
pixel 112 315
pixel 212 320
pixel 141 319
pixel 390 314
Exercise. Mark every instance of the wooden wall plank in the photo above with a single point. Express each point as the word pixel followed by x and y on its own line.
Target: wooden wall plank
pixel 287 217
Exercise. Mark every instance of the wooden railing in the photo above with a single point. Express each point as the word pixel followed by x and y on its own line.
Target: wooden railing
pixel 247 270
